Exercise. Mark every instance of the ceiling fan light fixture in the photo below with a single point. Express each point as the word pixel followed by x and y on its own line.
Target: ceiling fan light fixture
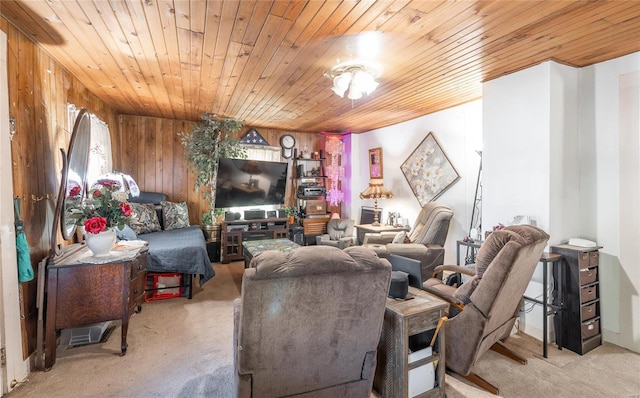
pixel 358 78
pixel 341 83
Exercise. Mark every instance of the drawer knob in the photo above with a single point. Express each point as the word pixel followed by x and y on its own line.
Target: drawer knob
pixel 590 327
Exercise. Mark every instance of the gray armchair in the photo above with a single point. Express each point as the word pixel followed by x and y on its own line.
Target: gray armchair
pixel 308 323
pixel 489 302
pixel 339 234
pixel 425 240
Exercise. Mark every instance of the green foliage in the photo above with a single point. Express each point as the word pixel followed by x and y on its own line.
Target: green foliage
pixel 206 219
pixel 290 210
pixel 209 141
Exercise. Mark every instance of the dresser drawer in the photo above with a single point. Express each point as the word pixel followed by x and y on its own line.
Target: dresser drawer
pixel 588 275
pixel 423 322
pixel 594 258
pixel 588 311
pixel 583 260
pixel 588 293
pixel 590 329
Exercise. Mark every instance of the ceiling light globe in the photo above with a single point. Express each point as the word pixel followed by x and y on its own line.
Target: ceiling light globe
pixel 341 83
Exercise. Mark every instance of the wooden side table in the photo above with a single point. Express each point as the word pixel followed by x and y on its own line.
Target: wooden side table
pixel 404 318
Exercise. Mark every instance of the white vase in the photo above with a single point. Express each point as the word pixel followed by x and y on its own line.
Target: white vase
pixel 101 243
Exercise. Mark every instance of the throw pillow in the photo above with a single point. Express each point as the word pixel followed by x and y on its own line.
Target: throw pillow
pixel 144 219
pixel 399 238
pixel 126 233
pixel 175 215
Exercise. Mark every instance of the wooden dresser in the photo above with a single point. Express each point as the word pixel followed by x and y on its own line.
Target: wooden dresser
pixel 82 290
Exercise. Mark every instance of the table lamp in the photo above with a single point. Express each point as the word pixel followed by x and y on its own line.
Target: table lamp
pixel 375 191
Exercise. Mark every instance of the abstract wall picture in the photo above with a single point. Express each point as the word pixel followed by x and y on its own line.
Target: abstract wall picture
pixel 429 171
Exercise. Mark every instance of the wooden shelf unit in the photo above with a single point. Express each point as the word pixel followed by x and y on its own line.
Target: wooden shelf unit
pixel 580 300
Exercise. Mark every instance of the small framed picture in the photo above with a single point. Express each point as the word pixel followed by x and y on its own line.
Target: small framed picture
pixel 375 163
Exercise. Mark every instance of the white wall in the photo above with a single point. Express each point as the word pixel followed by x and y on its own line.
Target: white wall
pixel 575 137
pixel 459 132
pixel 613 188
pixel 561 145
pixel 516 141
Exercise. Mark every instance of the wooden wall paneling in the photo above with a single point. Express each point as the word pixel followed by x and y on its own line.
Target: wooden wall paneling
pixel 179 169
pixel 167 143
pixel 154 129
pixel 146 150
pixel 39 90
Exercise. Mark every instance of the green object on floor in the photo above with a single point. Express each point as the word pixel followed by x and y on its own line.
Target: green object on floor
pixel 25 270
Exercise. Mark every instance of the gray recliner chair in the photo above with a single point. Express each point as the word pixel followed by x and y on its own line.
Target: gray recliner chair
pixel 490 301
pixel 308 324
pixel 339 234
pixel 425 241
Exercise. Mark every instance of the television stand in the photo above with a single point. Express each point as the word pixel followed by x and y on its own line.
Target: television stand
pixel 233 233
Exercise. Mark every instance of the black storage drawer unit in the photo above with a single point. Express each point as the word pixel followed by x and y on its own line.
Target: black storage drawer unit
pixel 581 330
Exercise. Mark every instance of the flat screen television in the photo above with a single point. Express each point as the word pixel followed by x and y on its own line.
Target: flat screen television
pixel 245 182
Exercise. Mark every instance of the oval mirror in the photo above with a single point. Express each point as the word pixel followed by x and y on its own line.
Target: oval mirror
pixel 76 176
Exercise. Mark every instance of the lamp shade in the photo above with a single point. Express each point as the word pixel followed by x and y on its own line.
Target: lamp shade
pixel 251 167
pixel 127 183
pixel 376 190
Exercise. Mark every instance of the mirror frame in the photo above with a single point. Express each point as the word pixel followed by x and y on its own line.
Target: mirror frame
pixel 77 162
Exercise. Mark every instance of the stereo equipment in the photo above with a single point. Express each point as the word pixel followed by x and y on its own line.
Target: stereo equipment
pixel 315 207
pixel 253 214
pixel 234 228
pixel 311 191
pixel 271 214
pixel 229 216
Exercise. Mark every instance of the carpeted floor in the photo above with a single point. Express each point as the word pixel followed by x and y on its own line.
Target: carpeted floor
pixel 182 348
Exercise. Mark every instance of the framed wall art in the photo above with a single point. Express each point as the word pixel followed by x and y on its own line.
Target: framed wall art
pixel 429 171
pixel 375 163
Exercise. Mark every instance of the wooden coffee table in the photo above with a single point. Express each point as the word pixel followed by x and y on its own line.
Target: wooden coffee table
pixel 252 248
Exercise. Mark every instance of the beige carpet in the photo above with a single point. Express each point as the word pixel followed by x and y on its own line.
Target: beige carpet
pixel 182 348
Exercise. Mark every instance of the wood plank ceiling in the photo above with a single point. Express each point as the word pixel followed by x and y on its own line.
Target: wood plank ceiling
pixel 263 61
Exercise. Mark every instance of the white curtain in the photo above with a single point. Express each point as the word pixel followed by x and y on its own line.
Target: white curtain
pixel 100 158
pixel 261 152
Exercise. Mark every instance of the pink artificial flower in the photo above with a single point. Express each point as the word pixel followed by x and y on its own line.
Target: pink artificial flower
pixel 126 209
pixel 75 191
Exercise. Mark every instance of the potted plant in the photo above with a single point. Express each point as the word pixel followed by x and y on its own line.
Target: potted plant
pixel 106 208
pixel 290 211
pixel 209 141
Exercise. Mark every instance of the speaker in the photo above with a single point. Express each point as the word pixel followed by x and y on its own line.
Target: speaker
pixel 253 214
pixel 296 234
pixel 229 216
pixel 271 214
pixel 213 251
pixel 300 171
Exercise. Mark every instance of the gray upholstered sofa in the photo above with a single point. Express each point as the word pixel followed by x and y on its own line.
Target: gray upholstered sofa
pixel 308 323
pixel 176 250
